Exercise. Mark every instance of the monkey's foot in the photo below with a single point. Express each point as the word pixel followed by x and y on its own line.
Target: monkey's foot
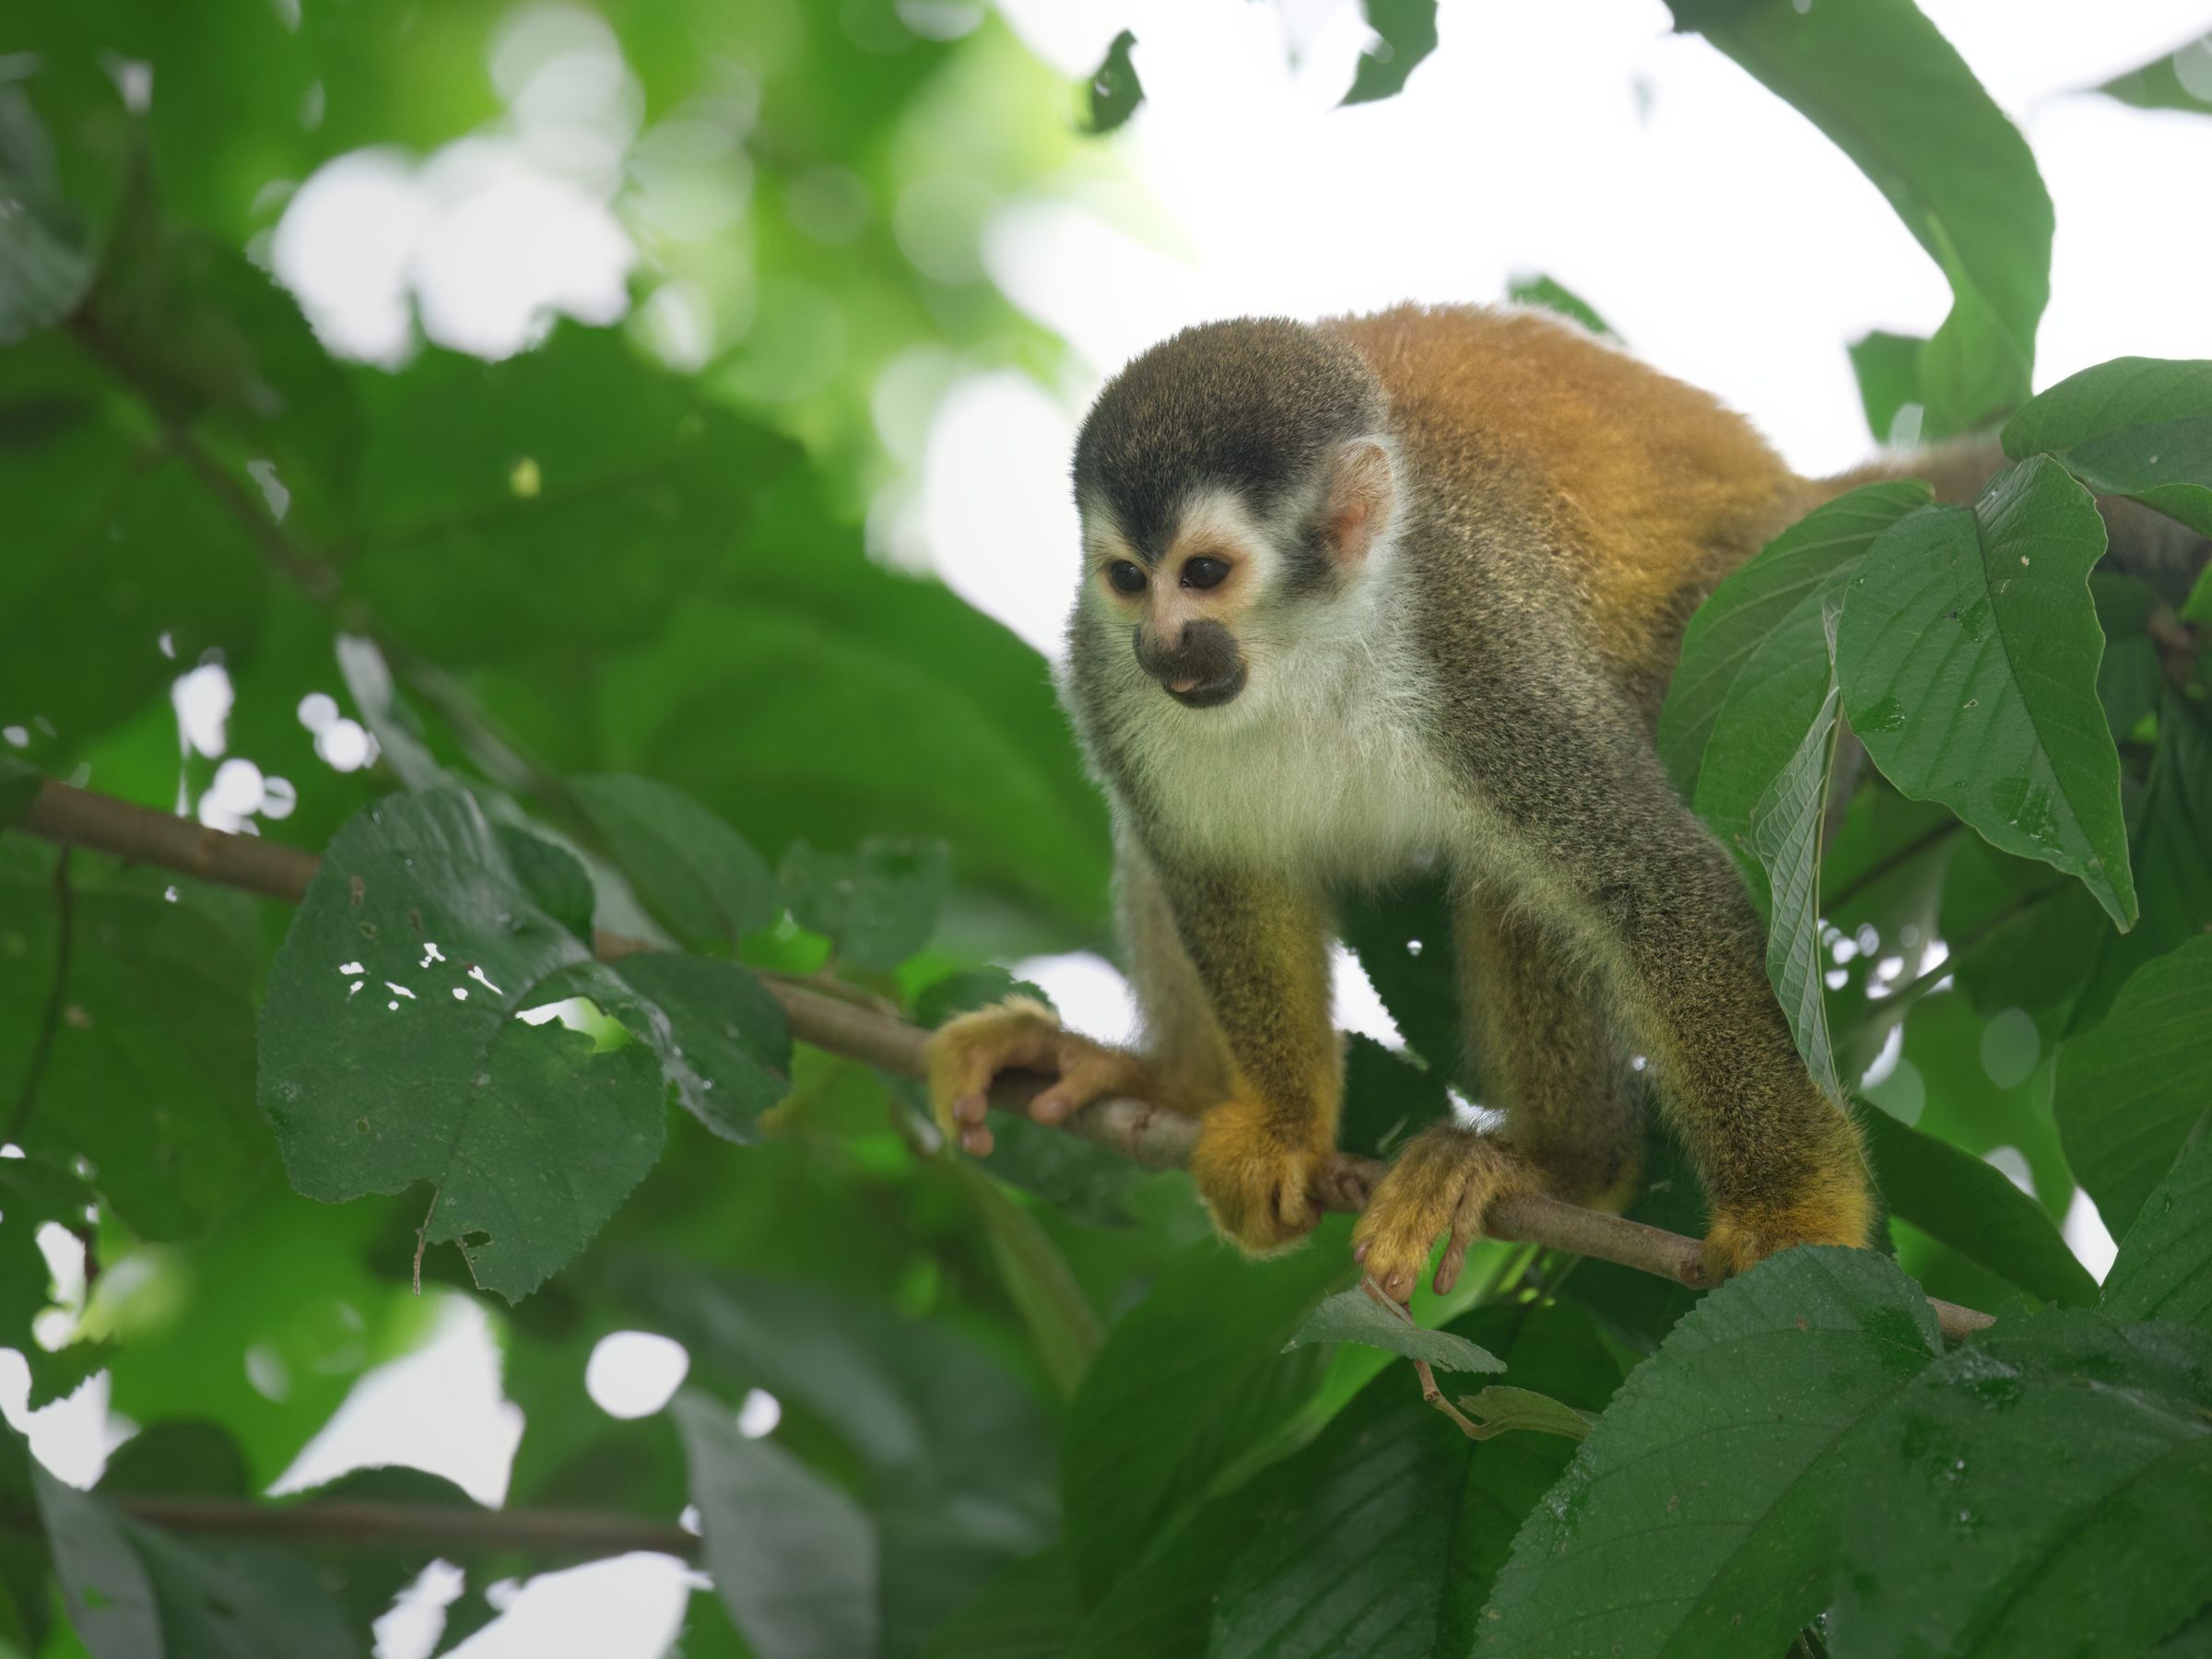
pixel 1837 1212
pixel 966 1054
pixel 1442 1183
pixel 1261 1185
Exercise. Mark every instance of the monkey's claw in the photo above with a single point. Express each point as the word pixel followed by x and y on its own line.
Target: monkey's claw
pixel 965 1055
pixel 1262 1187
pixel 1443 1184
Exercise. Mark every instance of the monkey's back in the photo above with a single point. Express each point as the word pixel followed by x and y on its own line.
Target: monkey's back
pixel 1643 491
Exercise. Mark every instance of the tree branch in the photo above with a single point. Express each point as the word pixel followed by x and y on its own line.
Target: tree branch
pixel 1153 1136
pixel 444 1529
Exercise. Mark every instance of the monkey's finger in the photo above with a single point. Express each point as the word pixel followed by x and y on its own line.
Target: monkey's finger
pixel 1454 1260
pixel 976 1141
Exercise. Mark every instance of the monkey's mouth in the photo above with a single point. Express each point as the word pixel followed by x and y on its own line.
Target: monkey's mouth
pixel 1206 693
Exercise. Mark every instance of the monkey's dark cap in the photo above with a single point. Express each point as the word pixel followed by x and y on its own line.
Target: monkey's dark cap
pixel 1252 404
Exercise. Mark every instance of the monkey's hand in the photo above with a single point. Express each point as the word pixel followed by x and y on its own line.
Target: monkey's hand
pixel 1260 1177
pixel 1833 1209
pixel 1442 1183
pixel 965 1054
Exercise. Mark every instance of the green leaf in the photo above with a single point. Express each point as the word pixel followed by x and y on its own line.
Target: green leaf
pixel 2179 81
pixel 1355 1317
pixel 1748 647
pixel 134 1592
pixel 20 786
pixel 1403 937
pixel 44 269
pixel 727 1043
pixel 1388 1097
pixel 1541 291
pixel 2046 1489
pixel 1699 1514
pixel 141 1059
pixel 1502 1409
pixel 1062 1324
pixel 2164 1268
pixel 1786 837
pixel 34 1192
pixel 1968 654
pixel 2134 427
pixel 1393 1523
pixel 1969 1205
pixel 697 875
pixel 1405 33
pixel 879 904
pixel 1189 1378
pixel 1880 81
pixel 391 1053
pixel 1115 91
pixel 2198 606
pixel 792 1556
pixel 1888 369
pixel 2130 1092
pixel 1029 1611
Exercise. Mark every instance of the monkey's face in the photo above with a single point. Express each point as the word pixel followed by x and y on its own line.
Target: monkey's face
pixel 1223 595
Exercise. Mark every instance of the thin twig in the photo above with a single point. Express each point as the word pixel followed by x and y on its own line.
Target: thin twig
pixel 1884 867
pixel 1150 1136
pixel 65 912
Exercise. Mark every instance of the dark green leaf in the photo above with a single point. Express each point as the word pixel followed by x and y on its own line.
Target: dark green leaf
pixel 2164 1268
pixel 20 786
pixel 792 1556
pixel 1388 1097
pixel 1968 654
pixel 2135 427
pixel 1502 1409
pixel 33 1191
pixel 44 268
pixel 1029 1611
pixel 391 1053
pixel 1971 1206
pixel 1062 1324
pixel 1404 34
pixel 1403 936
pixel 728 1042
pixel 1699 1514
pixel 553 876
pixel 2046 1489
pixel 1750 645
pixel 2130 1092
pixel 879 904
pixel 1548 295
pixel 142 1059
pixel 1182 1386
pixel 1355 1317
pixel 2179 81
pixel 1115 91
pixel 1887 368
pixel 697 875
pixel 2198 607
pixel 1895 97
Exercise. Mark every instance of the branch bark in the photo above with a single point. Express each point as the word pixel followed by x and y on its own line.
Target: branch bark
pixel 1151 1135
pixel 442 1529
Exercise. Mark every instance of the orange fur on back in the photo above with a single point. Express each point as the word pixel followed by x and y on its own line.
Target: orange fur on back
pixel 1649 489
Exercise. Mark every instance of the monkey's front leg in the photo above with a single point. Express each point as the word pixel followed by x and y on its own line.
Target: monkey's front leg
pixel 1260 946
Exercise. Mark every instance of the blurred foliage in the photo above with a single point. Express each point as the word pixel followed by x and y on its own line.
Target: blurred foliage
pixel 582 637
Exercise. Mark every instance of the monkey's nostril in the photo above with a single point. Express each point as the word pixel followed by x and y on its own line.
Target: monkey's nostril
pixel 1185 684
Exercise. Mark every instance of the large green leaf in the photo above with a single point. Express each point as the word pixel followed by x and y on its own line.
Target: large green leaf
pixel 1895 97
pixel 2130 1092
pixel 1968 654
pixel 1189 1378
pixel 696 874
pixel 1758 645
pixel 141 1059
pixel 1886 367
pixel 2046 1489
pixel 391 1050
pixel 2137 427
pixel 1029 1611
pixel 1971 1206
pixel 2179 81
pixel 792 1556
pixel 1399 1522
pixel 1699 1515
pixel 2164 1268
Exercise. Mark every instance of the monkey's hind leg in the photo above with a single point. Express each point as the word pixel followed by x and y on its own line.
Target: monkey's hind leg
pixel 965 1055
pixel 1546 1045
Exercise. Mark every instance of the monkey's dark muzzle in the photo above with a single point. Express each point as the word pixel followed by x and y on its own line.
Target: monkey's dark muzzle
pixel 1205 671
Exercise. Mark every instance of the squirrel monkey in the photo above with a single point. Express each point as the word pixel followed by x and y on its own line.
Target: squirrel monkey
pixel 1389 590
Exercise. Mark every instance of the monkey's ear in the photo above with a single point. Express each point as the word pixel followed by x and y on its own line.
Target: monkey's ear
pixel 1362 495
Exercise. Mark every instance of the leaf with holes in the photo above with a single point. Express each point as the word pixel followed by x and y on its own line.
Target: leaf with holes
pixel 1968 654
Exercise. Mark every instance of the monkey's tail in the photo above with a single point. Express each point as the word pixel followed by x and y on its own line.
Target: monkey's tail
pixel 2163 552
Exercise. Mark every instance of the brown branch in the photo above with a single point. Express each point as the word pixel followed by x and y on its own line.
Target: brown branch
pixel 1155 1138
pixel 445 1529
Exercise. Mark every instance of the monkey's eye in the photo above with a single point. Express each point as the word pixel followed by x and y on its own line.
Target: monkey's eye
pixel 1203 572
pixel 1126 578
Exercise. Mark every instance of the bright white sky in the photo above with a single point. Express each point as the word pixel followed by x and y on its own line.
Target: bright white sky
pixel 1722 236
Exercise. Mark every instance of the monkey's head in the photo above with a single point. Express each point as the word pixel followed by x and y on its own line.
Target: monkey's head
pixel 1232 480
